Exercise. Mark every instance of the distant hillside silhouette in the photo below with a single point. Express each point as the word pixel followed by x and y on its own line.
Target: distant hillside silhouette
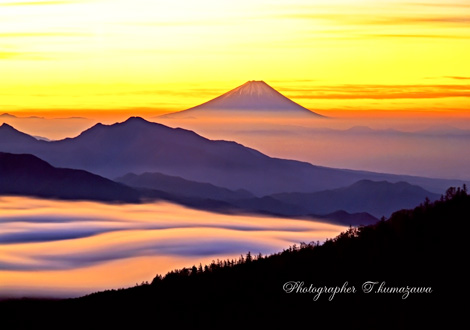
pixel 138 146
pixel 12 138
pixel 191 193
pixel 27 175
pixel 414 248
pixel 377 198
pixel 181 187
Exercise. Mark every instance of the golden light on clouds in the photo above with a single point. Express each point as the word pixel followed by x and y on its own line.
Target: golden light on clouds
pixel 73 248
pixel 167 56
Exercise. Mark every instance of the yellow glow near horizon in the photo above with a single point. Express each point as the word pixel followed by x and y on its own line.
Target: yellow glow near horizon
pixel 167 56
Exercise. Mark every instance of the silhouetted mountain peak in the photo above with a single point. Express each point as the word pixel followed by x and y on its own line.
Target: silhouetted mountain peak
pixel 7 115
pixel 136 120
pixel 136 131
pixel 8 132
pixel 130 122
pixel 6 126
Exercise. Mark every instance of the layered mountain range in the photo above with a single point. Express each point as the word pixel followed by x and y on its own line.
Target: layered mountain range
pixel 151 161
pixel 361 203
pixel 137 160
pixel 138 146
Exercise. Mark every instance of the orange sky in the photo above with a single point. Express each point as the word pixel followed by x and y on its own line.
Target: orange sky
pixel 149 57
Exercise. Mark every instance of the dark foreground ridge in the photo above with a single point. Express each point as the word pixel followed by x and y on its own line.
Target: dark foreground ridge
pixel 406 261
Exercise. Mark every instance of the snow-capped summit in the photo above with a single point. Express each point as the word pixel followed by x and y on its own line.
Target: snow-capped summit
pixel 251 98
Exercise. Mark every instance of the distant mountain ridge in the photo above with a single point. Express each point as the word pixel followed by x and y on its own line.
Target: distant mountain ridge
pixel 359 204
pixel 138 146
pixel 377 198
pixel 7 115
pixel 27 175
pixel 9 135
pixel 253 97
pixel 52 128
pixel 179 186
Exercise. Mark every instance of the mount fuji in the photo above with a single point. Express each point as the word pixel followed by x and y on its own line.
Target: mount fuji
pixel 253 98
